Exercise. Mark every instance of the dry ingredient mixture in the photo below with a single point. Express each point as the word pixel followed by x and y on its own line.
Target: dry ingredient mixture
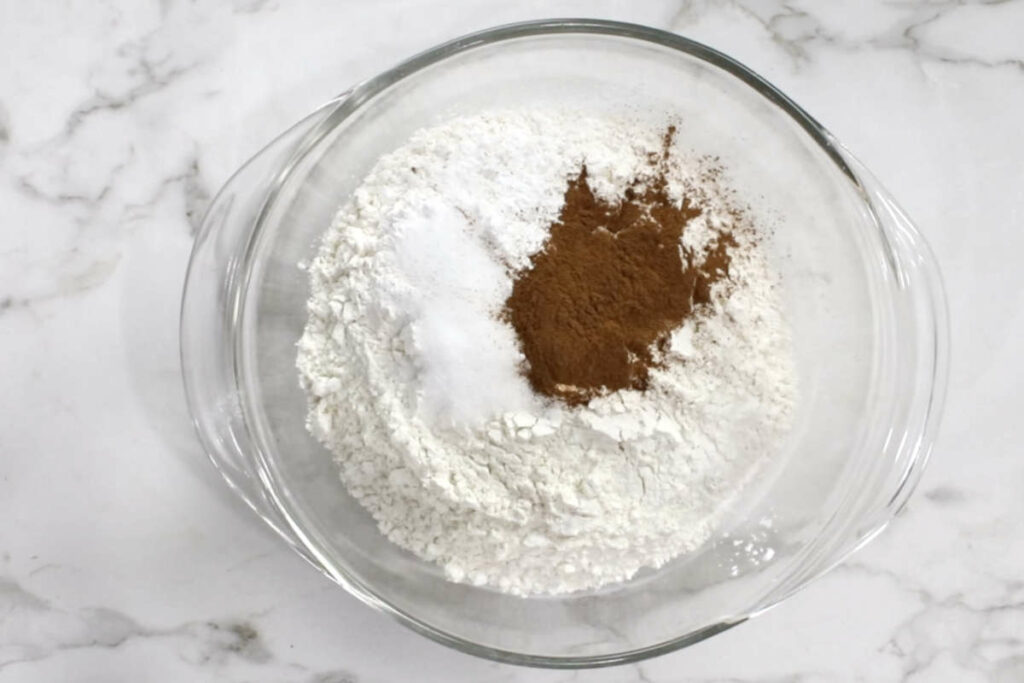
pixel 545 349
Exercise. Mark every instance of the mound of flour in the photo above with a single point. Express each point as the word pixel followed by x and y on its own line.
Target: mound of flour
pixel 415 383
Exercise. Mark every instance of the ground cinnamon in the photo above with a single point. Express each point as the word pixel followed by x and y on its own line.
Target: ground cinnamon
pixel 597 304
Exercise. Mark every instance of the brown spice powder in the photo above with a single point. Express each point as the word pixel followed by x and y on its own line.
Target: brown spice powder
pixel 597 304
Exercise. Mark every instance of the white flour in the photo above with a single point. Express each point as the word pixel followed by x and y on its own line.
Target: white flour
pixel 415 383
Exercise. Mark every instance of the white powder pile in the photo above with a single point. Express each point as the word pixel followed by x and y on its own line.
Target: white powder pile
pixel 416 384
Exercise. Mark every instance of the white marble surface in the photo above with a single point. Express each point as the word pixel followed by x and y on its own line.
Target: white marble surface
pixel 122 555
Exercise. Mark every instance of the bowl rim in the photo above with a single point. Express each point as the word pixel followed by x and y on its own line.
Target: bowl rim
pixel 343 106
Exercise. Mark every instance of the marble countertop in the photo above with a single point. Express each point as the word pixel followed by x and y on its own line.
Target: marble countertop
pixel 123 557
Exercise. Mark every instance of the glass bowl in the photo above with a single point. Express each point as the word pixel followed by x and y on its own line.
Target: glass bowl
pixel 860 288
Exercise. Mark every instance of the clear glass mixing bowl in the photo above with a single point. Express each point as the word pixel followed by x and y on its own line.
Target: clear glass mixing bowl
pixel 861 291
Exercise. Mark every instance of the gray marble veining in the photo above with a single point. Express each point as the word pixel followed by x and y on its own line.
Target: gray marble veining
pixel 122 557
